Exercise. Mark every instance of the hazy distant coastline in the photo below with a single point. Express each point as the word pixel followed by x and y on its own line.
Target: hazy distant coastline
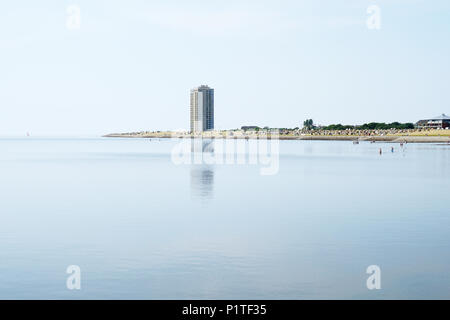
pixel 415 136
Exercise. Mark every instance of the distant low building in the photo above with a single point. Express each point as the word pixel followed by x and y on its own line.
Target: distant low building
pixel 250 128
pixel 439 122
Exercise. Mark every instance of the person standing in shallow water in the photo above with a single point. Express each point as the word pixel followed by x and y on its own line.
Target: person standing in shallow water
pixel 392 149
pixel 381 151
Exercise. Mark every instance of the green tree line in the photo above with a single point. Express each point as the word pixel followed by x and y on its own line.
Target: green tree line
pixel 371 126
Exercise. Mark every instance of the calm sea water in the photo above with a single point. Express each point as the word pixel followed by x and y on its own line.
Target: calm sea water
pixel 141 227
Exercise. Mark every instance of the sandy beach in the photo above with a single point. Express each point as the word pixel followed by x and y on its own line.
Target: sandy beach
pixel 412 138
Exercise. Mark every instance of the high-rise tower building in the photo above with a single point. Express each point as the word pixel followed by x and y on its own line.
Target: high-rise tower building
pixel 202 109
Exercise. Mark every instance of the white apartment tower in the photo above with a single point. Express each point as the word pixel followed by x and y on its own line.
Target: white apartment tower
pixel 202 109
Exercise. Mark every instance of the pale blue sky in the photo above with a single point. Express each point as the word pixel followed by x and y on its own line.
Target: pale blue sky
pixel 132 63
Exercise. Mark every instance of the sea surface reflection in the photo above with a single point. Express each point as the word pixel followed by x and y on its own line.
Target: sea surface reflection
pixel 143 227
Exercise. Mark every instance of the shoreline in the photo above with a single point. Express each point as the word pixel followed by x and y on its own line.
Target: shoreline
pixel 388 139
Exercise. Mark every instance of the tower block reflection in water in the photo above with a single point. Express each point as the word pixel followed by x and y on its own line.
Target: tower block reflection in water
pixel 202 181
pixel 202 175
